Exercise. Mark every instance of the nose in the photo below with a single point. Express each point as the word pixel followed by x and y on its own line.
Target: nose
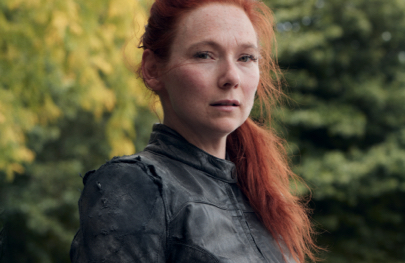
pixel 229 76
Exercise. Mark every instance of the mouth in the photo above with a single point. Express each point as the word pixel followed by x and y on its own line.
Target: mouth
pixel 233 103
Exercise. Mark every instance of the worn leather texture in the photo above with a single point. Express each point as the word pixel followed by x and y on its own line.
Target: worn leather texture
pixel 170 203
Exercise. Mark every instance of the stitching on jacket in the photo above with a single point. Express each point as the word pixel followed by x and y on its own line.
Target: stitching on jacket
pixel 157 180
pixel 148 220
pixel 242 220
pixel 154 176
pixel 145 224
pixel 252 239
pixel 197 202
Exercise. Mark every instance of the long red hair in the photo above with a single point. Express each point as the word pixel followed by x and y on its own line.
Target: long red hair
pixel 264 174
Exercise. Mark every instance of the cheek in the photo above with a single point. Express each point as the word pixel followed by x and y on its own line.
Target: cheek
pixel 190 81
pixel 250 101
pixel 251 87
pixel 187 87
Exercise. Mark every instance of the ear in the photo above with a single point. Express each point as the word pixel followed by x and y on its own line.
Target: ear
pixel 150 70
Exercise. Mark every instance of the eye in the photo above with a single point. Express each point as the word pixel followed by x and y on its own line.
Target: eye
pixel 247 58
pixel 202 55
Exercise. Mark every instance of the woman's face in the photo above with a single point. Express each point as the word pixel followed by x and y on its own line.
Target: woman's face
pixel 212 72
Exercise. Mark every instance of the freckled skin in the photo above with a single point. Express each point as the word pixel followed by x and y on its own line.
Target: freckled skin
pixel 213 58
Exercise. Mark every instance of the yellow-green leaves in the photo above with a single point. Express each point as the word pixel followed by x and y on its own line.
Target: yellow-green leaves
pixel 61 57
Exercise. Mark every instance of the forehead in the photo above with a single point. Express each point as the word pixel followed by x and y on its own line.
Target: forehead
pixel 223 23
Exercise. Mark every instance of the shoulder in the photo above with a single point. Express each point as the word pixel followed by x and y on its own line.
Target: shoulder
pixel 119 171
pixel 122 215
pixel 121 180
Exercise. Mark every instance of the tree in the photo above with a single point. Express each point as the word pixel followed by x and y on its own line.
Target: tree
pixel 67 104
pixel 344 62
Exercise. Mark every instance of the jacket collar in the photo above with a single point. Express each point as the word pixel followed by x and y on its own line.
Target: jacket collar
pixel 168 142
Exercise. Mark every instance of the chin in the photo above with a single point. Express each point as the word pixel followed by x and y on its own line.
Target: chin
pixel 227 127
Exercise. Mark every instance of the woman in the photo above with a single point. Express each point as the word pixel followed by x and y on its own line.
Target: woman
pixel 212 185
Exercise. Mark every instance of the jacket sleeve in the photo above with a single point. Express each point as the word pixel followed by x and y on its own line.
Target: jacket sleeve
pixel 122 216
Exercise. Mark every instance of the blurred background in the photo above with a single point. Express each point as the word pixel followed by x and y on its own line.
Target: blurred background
pixel 69 102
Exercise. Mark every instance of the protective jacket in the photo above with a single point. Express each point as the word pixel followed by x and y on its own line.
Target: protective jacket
pixel 173 202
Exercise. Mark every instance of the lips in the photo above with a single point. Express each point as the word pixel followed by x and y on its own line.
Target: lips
pixel 234 103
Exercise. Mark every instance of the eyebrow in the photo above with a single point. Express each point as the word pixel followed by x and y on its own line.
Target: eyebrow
pixel 216 45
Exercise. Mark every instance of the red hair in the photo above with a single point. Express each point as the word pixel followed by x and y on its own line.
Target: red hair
pixel 264 174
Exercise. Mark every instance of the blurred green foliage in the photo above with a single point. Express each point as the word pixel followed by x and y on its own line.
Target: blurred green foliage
pixel 68 103
pixel 344 62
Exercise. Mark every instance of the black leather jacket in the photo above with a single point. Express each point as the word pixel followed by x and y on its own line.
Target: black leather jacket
pixel 170 203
